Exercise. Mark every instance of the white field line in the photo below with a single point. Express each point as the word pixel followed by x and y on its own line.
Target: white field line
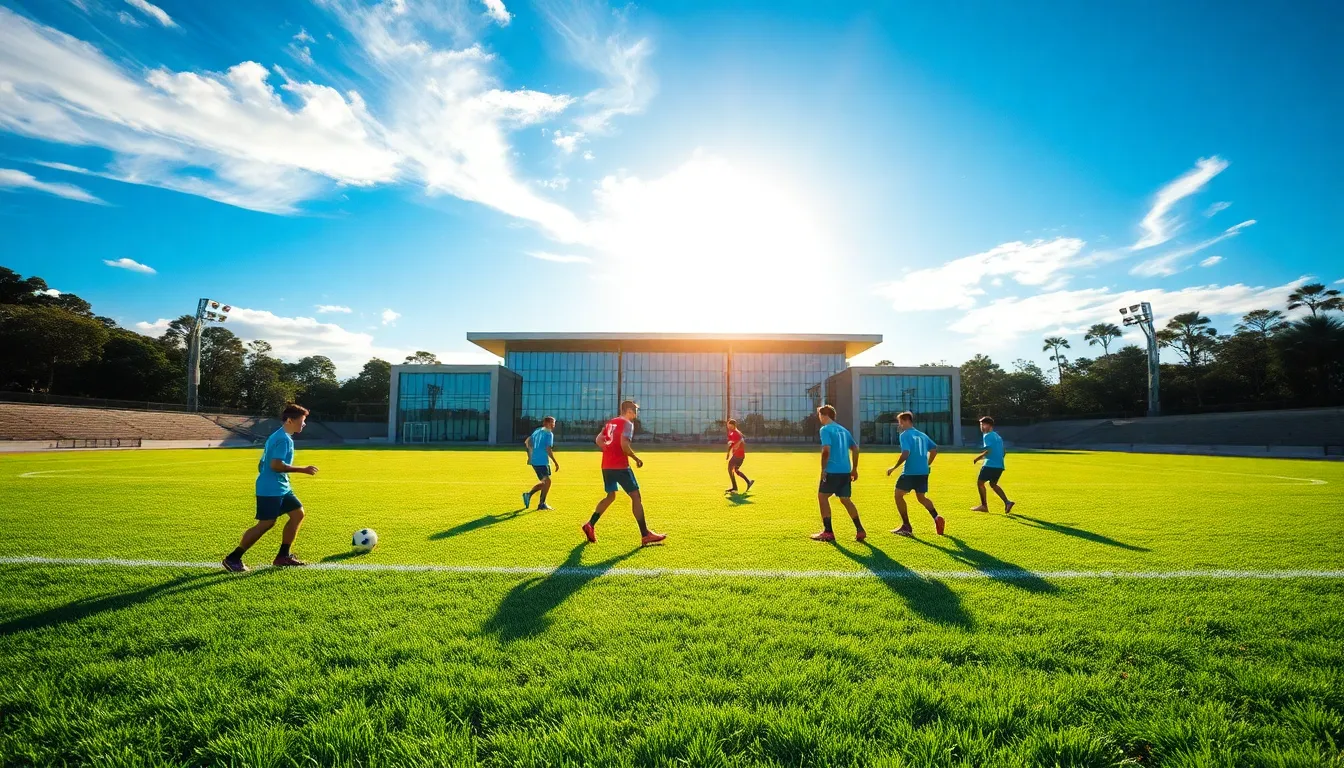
pixel 524 570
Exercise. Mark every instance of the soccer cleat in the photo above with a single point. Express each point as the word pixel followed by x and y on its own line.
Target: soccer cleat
pixel 823 536
pixel 650 539
pixel 1008 507
pixel 234 566
pixel 731 491
pixel 545 507
pixel 590 532
pixel 860 535
pixel 906 532
pixel 979 508
pixel 286 561
pixel 749 484
pixel 527 500
pixel 939 523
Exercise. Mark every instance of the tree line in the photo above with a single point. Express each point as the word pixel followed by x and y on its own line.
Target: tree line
pixel 54 343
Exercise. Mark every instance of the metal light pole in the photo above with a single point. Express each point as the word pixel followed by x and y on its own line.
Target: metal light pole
pixel 207 311
pixel 1142 316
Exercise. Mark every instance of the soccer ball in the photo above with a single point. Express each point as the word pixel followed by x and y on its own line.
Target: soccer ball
pixel 364 540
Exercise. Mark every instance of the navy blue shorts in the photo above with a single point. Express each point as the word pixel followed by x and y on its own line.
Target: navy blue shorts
pixel 622 478
pixel 990 474
pixel 543 470
pixel 271 507
pixel 835 484
pixel 736 462
pixel 916 483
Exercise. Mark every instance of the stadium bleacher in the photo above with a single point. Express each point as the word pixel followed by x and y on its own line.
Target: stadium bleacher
pixel 1317 427
pixel 57 422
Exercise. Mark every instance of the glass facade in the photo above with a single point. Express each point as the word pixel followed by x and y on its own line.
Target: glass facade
pixel 776 395
pixel 453 406
pixel 680 394
pixel 580 389
pixel 881 397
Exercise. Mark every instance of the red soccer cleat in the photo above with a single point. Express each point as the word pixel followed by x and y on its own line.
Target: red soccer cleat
pixel 287 561
pixel 906 532
pixel 823 536
pixel 860 535
pixel 652 539
pixel 938 524
pixel 589 531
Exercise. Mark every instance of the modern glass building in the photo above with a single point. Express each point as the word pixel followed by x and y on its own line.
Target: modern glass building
pixel 871 397
pixel 687 386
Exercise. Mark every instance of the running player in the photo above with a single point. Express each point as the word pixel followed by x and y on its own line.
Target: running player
pixel 614 440
pixel 539 456
pixel 737 453
pixel 274 496
pixel 839 468
pixel 917 454
pixel 993 467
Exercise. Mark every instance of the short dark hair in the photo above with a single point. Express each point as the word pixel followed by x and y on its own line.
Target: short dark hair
pixel 293 411
pixel 906 416
pixel 629 405
pixel 548 420
pixel 732 422
pixel 828 411
pixel 987 420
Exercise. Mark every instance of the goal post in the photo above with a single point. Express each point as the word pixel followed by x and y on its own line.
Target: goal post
pixel 415 432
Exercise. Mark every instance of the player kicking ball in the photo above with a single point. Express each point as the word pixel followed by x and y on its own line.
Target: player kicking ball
pixel 737 453
pixel 614 440
pixel 274 496
pixel 992 469
pixel 839 469
pixel 917 454
pixel 539 456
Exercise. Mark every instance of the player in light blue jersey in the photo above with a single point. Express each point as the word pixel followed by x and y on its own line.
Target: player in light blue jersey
pixel 993 467
pixel 839 468
pixel 274 496
pixel 917 454
pixel 540 455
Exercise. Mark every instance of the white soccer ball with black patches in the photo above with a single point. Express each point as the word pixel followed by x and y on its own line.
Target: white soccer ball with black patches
pixel 364 540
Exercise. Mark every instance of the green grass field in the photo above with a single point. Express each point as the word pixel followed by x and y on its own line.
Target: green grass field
pixel 970 649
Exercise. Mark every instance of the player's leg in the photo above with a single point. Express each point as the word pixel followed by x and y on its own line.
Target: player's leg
pixel 859 533
pixel 732 476
pixel 737 467
pixel 905 529
pixel 826 533
pixel 984 501
pixel 545 487
pixel 294 509
pixel 543 474
pixel 998 489
pixel 589 528
pixel 938 521
pixel 268 509
pixel 631 488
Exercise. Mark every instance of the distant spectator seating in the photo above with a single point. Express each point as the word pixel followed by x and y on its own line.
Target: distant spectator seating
pixel 1307 427
pixel 57 422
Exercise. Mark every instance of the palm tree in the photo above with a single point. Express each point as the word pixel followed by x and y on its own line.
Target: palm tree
pixel 1313 347
pixel 1263 322
pixel 1315 296
pixel 1193 337
pixel 1103 334
pixel 1056 343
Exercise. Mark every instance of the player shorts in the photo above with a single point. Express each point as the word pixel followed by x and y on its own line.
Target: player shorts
pixel 543 470
pixel 619 478
pixel 990 474
pixel 835 484
pixel 916 483
pixel 271 507
pixel 736 462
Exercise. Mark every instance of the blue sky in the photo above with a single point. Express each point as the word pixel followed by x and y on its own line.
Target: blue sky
pixel 373 178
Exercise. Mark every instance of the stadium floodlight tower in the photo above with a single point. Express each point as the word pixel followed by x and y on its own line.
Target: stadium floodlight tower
pixel 207 311
pixel 1142 316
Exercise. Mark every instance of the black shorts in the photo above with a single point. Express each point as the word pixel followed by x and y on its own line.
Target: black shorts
pixel 271 507
pixel 622 478
pixel 916 483
pixel 835 484
pixel 990 474
pixel 736 462
pixel 543 470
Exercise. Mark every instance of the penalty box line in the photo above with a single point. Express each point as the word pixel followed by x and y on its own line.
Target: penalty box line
pixel 993 574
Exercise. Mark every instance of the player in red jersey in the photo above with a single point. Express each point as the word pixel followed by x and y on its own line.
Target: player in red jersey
pixel 614 440
pixel 737 453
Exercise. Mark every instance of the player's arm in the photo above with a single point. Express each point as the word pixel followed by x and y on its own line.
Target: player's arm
pixel 980 456
pixel 933 454
pixel 551 452
pixel 527 447
pixel 600 442
pixel 278 465
pixel 732 446
pixel 628 450
pixel 825 457
pixel 904 455
pixel 854 461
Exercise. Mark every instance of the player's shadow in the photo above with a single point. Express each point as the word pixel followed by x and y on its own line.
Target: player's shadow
pixel 481 522
pixel 738 499
pixel 525 610
pixel 929 598
pixel 339 556
pixel 85 607
pixel 1068 530
pixel 993 567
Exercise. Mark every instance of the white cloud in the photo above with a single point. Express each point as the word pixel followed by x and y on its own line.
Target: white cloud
pixel 588 155
pixel 1159 225
pixel 131 264
pixel 1169 264
pixel 1071 312
pixel 568 142
pixel 559 183
pixel 126 18
pixel 303 36
pixel 12 179
pixel 390 316
pixel 328 308
pixel 956 284
pixel 597 40
pixel 1213 210
pixel 1209 262
pixel 153 11
pixel 495 10
pixel 561 258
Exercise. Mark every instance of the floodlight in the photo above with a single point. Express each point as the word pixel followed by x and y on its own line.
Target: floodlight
pixel 214 305
pixel 227 308
pixel 1135 307
pixel 1124 311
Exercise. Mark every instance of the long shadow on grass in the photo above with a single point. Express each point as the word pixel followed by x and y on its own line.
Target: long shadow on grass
pixel 993 567
pixel 1076 532
pixel 929 598
pixel 91 606
pixel 480 522
pixel 737 499
pixel 525 611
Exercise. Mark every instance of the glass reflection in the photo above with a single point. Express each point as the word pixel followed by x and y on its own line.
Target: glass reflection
pixel 881 398
pixel 578 388
pixel 455 406
pixel 680 394
pixel 775 395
